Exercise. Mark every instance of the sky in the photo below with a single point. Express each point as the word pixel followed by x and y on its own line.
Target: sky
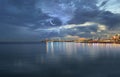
pixel 33 20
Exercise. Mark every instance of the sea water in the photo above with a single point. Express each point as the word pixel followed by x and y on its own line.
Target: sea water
pixel 60 59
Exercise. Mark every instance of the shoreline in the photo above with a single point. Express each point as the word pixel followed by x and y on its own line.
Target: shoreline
pixel 38 42
pixel 21 42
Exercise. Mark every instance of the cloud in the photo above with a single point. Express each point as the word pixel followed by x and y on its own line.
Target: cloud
pixel 50 18
pixel 71 37
pixel 61 10
pixel 86 29
pixel 102 3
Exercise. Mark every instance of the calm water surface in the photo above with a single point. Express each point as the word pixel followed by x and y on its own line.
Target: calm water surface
pixel 60 59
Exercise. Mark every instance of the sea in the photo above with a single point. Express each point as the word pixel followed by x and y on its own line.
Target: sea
pixel 59 59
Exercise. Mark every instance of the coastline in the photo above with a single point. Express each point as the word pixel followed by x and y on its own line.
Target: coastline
pixel 38 42
pixel 19 42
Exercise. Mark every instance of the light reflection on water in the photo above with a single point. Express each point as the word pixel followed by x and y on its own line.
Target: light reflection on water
pixel 60 59
pixel 89 49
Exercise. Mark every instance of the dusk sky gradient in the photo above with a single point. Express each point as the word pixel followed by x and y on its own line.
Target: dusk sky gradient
pixel 31 20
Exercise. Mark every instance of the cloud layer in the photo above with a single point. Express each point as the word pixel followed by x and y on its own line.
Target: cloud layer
pixel 58 18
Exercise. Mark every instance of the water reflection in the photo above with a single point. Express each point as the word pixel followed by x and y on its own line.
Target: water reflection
pixel 90 50
pixel 56 48
pixel 60 59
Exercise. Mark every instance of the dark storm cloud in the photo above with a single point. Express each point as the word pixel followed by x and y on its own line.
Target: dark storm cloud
pixel 45 14
pixel 24 13
pixel 15 12
pixel 110 19
pixel 103 3
pixel 88 11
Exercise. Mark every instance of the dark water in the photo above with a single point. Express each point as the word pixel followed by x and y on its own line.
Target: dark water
pixel 59 59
